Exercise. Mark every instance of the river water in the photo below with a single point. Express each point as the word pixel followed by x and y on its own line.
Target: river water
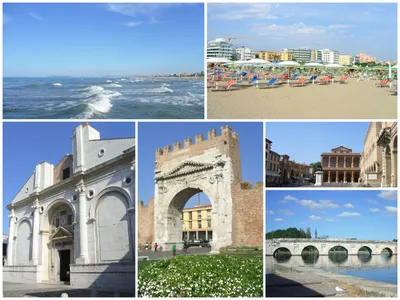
pixel 374 267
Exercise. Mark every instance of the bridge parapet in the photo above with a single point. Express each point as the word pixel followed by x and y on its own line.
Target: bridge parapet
pixel 296 246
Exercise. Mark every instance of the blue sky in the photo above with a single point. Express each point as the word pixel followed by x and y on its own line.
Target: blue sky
pixel 38 142
pixel 158 135
pixel 347 27
pixel 102 39
pixel 304 142
pixel 338 214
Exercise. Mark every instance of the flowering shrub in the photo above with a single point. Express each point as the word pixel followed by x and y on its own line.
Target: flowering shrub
pixel 203 276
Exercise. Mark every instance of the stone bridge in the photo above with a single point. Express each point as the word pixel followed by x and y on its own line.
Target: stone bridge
pixel 296 246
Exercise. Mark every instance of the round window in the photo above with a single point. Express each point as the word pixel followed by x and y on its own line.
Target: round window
pixel 90 194
pixel 101 152
pixel 128 180
pixel 74 197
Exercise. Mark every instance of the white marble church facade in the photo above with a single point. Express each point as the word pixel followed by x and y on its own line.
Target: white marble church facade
pixel 75 222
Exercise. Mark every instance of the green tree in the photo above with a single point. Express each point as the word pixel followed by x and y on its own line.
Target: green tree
pixel 315 165
pixel 257 55
pixel 302 233
pixel 308 233
pixel 316 235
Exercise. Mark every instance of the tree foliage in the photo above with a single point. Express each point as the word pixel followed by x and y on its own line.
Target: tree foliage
pixel 291 232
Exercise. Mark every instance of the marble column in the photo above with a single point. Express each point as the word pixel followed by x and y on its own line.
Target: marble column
pixel 83 253
pixel 329 176
pixel 352 177
pixel 393 160
pixel 35 232
pixel 329 162
pixel 10 248
pixel 344 177
pixel 352 161
pixel 337 161
pixel 384 179
pixel 337 176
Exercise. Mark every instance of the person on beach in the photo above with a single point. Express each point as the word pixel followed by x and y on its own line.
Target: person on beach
pixel 174 248
pixel 155 247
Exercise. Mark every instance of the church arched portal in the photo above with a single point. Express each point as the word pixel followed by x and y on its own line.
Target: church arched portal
pixel 60 242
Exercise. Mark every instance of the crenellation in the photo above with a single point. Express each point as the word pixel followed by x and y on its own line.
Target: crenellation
pixel 212 134
pixel 159 152
pixel 199 138
pixel 177 146
pixel 187 143
pixel 167 149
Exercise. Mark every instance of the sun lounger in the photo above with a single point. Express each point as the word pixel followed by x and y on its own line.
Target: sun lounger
pixel 269 84
pixel 344 79
pixel 383 83
pixel 324 80
pixel 231 84
pixel 254 79
pixel 300 82
pixel 312 79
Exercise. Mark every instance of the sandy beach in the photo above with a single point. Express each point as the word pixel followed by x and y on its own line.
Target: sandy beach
pixel 354 100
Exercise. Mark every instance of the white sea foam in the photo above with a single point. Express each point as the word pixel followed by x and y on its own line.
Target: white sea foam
pixel 162 89
pixel 108 80
pixel 98 100
pixel 57 84
pixel 112 85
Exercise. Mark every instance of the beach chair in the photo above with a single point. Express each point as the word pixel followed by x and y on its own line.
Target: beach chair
pixel 344 79
pixel 383 83
pixel 225 87
pixel 294 77
pixel 254 79
pixel 324 81
pixel 283 80
pixel 312 79
pixel 269 84
pixel 300 82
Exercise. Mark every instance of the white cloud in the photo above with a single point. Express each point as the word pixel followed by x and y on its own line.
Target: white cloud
pixel 340 26
pixel 270 212
pixel 349 205
pixel 313 217
pixel 374 209
pixel 332 220
pixel 135 9
pixel 349 214
pixel 243 11
pixel 132 24
pixel 318 205
pixel 36 16
pixel 290 198
pixel 278 220
pixel 372 201
pixel 391 209
pixel 286 212
pixel 388 195
pixel 297 29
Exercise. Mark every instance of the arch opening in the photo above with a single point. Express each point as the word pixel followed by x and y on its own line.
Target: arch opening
pixel 364 251
pixel 338 254
pixel 190 218
pixel 310 255
pixel 387 252
pixel 282 252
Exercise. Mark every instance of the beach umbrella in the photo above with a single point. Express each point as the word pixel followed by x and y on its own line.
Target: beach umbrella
pixel 258 61
pixel 313 65
pixel 334 66
pixel 394 67
pixel 288 63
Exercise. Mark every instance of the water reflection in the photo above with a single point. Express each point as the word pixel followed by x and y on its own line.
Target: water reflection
pixel 377 267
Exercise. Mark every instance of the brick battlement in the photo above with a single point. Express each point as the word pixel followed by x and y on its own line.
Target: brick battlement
pixel 199 141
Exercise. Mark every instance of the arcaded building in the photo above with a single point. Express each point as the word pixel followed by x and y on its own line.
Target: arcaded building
pixel 75 222
pixel 341 165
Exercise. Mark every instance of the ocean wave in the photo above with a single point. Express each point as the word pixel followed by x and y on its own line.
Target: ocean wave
pixel 57 84
pixel 108 80
pixel 98 100
pixel 162 89
pixel 112 85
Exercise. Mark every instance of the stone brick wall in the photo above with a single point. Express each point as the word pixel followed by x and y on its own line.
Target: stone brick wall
pixel 248 215
pixel 227 143
pixel 66 162
pixel 22 274
pixel 145 223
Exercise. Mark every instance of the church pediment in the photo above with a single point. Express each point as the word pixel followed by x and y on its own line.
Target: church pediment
pixel 61 233
pixel 188 167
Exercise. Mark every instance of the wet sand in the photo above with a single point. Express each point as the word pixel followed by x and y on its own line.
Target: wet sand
pixel 354 100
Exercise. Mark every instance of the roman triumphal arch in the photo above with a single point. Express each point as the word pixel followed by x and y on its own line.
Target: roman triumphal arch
pixel 210 166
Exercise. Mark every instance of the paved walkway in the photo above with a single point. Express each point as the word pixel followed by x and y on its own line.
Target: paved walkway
pixel 12 289
pixel 167 254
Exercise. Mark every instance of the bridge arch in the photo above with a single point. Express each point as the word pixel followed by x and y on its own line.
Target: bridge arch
pixel 390 251
pixel 283 250
pixel 310 248
pixel 363 249
pixel 338 248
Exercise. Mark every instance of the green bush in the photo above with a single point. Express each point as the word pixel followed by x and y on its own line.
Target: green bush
pixel 202 276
